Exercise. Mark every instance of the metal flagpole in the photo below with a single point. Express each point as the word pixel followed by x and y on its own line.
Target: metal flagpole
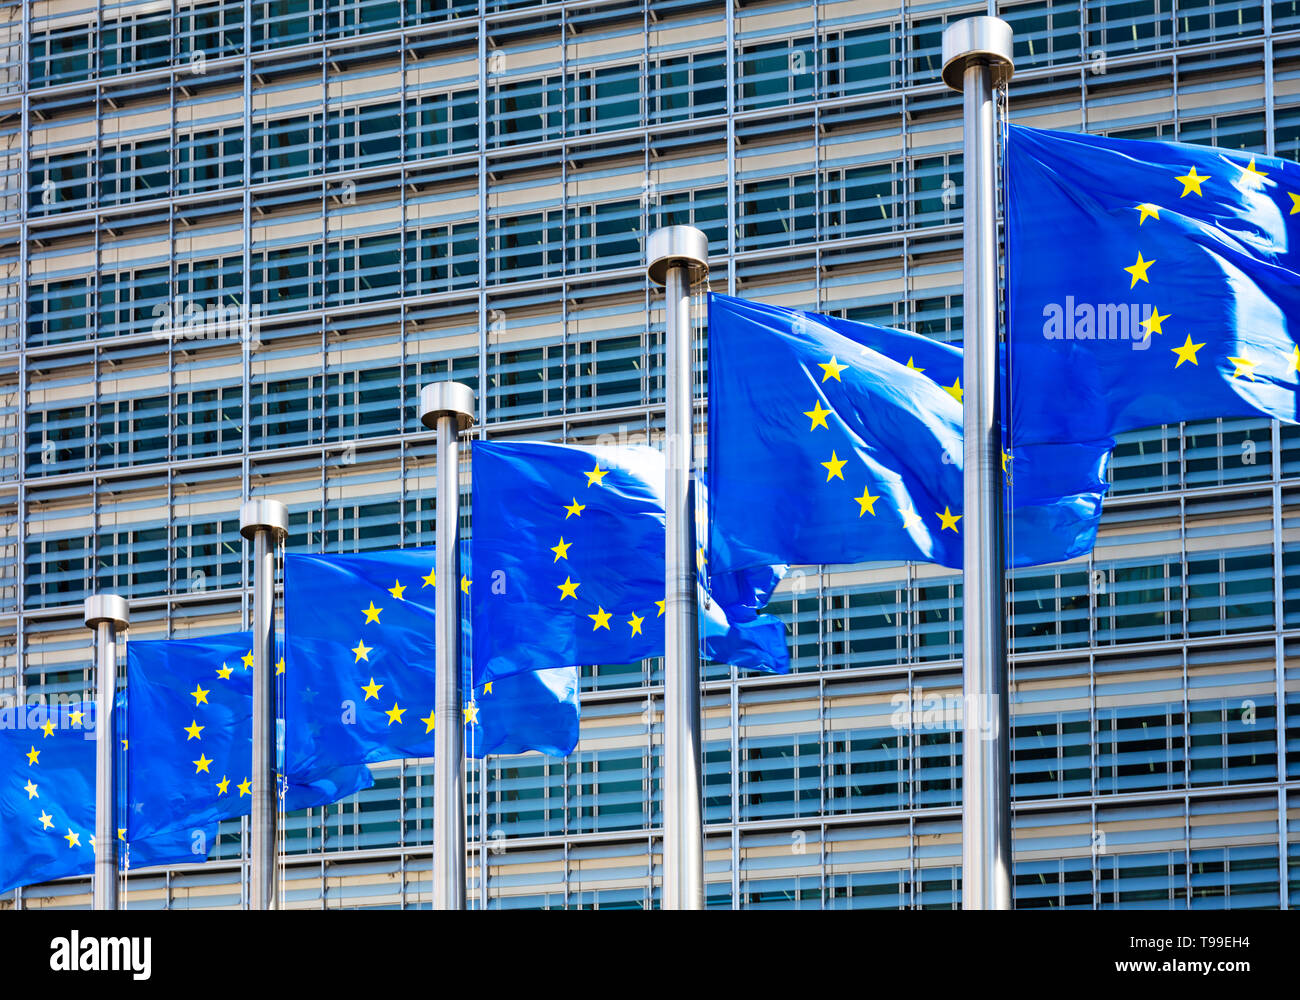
pixel 448 408
pixel 265 523
pixel 977 57
pixel 107 614
pixel 677 259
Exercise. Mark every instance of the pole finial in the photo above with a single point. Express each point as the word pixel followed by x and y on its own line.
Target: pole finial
pixel 256 515
pixel 677 246
pixel 107 608
pixel 455 398
pixel 977 39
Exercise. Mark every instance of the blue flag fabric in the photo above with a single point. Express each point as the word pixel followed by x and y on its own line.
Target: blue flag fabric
pixel 570 543
pixel 190 750
pixel 1147 283
pixel 47 799
pixel 832 441
pixel 360 673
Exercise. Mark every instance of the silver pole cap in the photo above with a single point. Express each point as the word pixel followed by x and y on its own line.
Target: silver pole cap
pixel 107 608
pixel 973 40
pixel 677 246
pixel 455 398
pixel 271 515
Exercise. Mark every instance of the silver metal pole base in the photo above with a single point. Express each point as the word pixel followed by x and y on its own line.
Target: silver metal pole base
pixel 677 258
pixel 265 523
pixel 977 57
pixel 448 408
pixel 107 615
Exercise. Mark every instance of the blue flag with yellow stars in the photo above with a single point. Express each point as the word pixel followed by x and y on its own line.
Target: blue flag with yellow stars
pixel 569 542
pixel 360 681
pixel 832 441
pixel 1147 283
pixel 47 799
pixel 190 739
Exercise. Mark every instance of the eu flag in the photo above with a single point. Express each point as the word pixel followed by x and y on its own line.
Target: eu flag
pixel 1147 283
pixel 833 441
pixel 47 799
pixel 189 727
pixel 360 671
pixel 569 544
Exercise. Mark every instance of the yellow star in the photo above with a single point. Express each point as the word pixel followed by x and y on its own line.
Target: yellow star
pixel 568 589
pixel 1295 360
pixel 465 583
pixel 1249 171
pixel 395 714
pixel 202 763
pixel 835 467
pixel 910 517
pixel 595 476
pixel 428 721
pixel 562 550
pixel 912 365
pixel 660 605
pixel 121 833
pixel 199 695
pixel 818 416
pixel 635 621
pixel 194 729
pixel 74 718
pixel 1244 366
pixel 1152 323
pixel 1187 352
pixel 245 788
pixel 487 688
pixel 948 520
pixel 224 672
pixel 371 690
pixel 574 509
pixel 954 390
pixel 429 580
pixel 33 756
pixel 701 557
pixel 48 728
pixel 470 712
pixel 124 742
pixel 1191 181
pixel 601 618
pixel 73 839
pixel 47 820
pixel 397 589
pixel 30 789
pixel 248 660
pixel 279 665
pixel 866 503
pixel 1295 203
pixel 1139 270
pixel 223 786
pixel 372 614
pixel 1006 457
pixel 362 651
pixel 1148 211
pixel 832 370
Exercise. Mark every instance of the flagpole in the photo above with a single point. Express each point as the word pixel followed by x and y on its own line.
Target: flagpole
pixel 677 259
pixel 448 409
pixel 265 523
pixel 977 57
pixel 107 615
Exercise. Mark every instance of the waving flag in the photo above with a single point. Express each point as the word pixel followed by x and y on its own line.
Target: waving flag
pixel 570 544
pixel 47 799
pixel 190 749
pixel 360 682
pixel 1147 283
pixel 832 441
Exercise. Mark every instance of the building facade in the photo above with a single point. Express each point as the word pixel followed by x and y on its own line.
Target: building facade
pixel 237 237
